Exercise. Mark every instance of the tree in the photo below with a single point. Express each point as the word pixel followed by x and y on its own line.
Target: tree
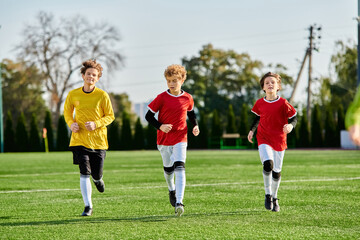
pixel 304 132
pixel 50 132
pixel 340 123
pixel 215 76
pixel 231 124
pixel 34 142
pixel 21 137
pixel 139 141
pixel 243 127
pixel 330 128
pixel 126 136
pixel 316 127
pixel 204 132
pixel 62 140
pixel 113 136
pixel 121 104
pixel 21 88
pixel 216 130
pixel 58 47
pixel 344 65
pixel 9 134
pixel 244 120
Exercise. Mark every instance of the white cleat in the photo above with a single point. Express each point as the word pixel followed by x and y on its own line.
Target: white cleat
pixel 179 209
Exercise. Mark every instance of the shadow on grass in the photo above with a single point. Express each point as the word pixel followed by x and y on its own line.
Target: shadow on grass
pixel 153 218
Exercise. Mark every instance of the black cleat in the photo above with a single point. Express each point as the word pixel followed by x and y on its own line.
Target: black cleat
pixel 268 202
pixel 100 185
pixel 276 207
pixel 172 197
pixel 87 211
pixel 179 209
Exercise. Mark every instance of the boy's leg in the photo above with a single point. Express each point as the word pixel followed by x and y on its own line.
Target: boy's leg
pixel 85 184
pixel 165 152
pixel 276 178
pixel 179 157
pixel 266 157
pixel 276 173
pixel 97 165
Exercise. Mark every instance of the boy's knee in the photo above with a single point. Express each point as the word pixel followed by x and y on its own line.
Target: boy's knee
pixel 268 165
pixel 179 165
pixel 169 170
pixel 276 175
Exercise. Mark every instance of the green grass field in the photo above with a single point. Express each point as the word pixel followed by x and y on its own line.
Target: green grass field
pixel 224 197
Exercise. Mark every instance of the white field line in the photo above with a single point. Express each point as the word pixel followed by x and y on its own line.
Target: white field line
pixel 189 185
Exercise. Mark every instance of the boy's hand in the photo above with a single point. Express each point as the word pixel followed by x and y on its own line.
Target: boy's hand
pixel 166 127
pixel 250 136
pixel 288 128
pixel 90 126
pixel 74 127
pixel 196 131
pixel 354 132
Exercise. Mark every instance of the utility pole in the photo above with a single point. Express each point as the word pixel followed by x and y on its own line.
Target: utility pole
pixel 299 75
pixel 313 34
pixel 308 109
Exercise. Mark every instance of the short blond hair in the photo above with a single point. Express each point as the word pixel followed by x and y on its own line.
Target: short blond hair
pixel 175 70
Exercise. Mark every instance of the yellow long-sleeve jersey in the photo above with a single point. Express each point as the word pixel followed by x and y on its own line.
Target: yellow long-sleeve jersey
pixel 95 106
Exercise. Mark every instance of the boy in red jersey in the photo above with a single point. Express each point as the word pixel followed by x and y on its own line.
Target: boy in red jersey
pixel 275 118
pixel 173 106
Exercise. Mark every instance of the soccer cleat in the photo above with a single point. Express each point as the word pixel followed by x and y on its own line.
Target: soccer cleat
pixel 268 202
pixel 87 211
pixel 179 209
pixel 172 198
pixel 276 207
pixel 100 185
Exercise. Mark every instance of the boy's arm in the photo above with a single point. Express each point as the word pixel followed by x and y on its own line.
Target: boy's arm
pixel 150 117
pixel 108 113
pixel 293 121
pixel 192 117
pixel 255 123
pixel 68 111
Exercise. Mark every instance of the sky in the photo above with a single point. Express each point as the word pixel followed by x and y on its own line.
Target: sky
pixel 158 33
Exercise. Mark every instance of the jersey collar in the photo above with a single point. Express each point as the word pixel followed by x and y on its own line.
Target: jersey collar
pixel 272 101
pixel 182 93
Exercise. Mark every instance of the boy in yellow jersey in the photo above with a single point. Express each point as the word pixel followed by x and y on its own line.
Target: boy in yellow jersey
pixel 87 112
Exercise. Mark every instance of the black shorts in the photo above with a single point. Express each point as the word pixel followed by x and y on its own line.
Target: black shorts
pixel 90 161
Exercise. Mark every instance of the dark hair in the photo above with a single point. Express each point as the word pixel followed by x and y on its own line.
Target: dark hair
pixel 270 74
pixel 91 63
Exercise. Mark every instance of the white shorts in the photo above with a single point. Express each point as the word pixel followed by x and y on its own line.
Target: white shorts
pixel 171 154
pixel 267 153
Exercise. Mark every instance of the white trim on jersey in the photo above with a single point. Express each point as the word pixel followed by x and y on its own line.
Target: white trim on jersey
pixel 293 115
pixel 182 93
pixel 272 101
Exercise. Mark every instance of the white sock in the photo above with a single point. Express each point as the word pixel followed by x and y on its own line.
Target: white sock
pixel 170 180
pixel 180 181
pixel 267 182
pixel 275 186
pixel 85 186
